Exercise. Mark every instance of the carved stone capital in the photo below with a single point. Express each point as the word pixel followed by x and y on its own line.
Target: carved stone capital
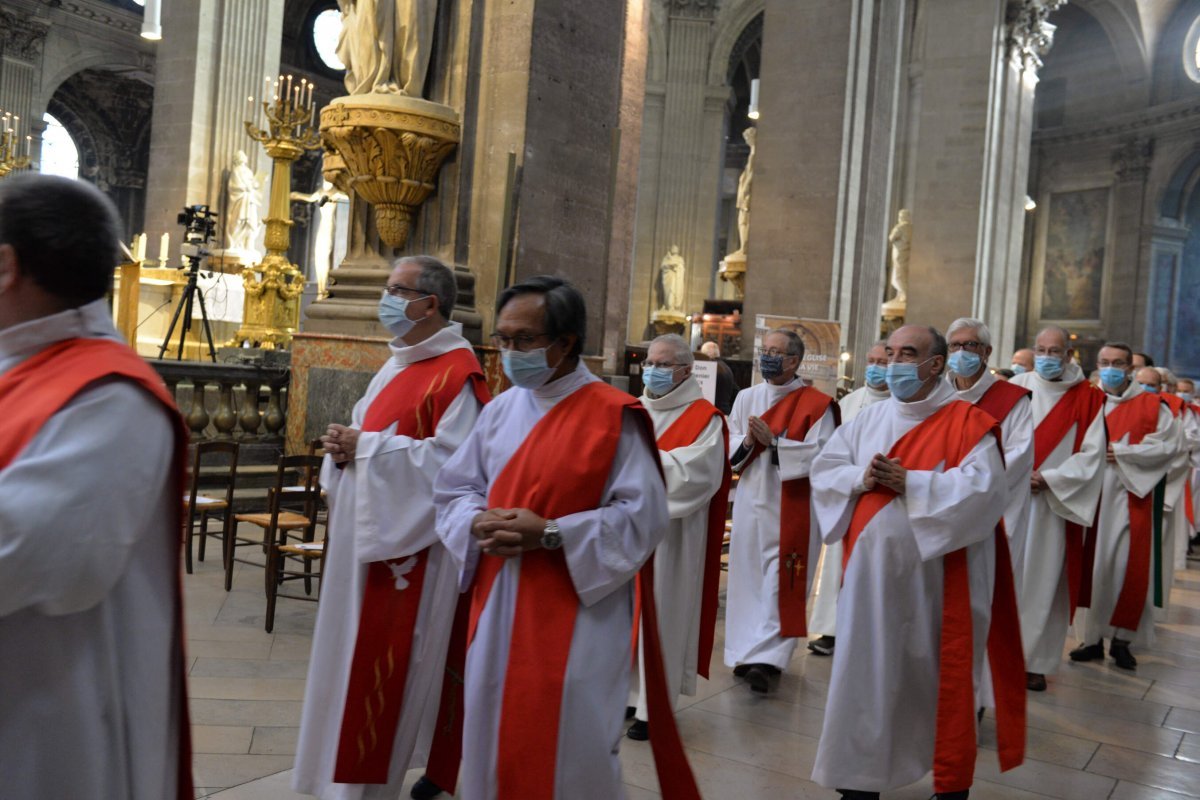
pixel 21 38
pixel 694 9
pixel 1030 34
pixel 1132 159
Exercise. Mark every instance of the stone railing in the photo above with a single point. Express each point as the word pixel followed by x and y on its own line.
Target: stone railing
pixel 228 401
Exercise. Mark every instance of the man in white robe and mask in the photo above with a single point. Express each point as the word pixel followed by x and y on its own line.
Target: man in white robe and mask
pixel 1068 471
pixel 1177 515
pixel 779 426
pixel 693 445
pixel 550 509
pixel 823 618
pixel 916 487
pixel 1142 441
pixel 389 588
pixel 92 450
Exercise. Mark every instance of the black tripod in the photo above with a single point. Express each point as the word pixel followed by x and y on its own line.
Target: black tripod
pixel 190 291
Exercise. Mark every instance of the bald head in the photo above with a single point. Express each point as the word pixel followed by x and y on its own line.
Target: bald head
pixel 923 347
pixel 1149 378
pixel 1023 358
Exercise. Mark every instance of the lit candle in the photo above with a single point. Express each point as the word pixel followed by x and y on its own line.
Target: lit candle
pixel 289 89
pixel 28 145
pixel 164 245
pixel 139 247
pixel 310 88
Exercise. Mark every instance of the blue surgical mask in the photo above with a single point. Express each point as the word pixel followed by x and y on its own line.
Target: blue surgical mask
pixel 527 369
pixel 393 313
pixel 876 376
pixel 659 380
pixel 964 364
pixel 770 366
pixel 1048 367
pixel 1112 377
pixel 1185 397
pixel 903 380
pixel 1017 369
pixel 1148 388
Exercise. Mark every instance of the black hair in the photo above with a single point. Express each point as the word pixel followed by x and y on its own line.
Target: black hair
pixel 1145 356
pixel 66 234
pixel 566 313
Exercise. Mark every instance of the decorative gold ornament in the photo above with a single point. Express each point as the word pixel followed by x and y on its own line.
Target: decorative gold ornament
pixel 388 150
pixel 733 271
pixel 10 141
pixel 271 314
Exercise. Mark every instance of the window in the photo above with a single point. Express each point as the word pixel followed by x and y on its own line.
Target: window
pixel 326 30
pixel 1191 51
pixel 60 156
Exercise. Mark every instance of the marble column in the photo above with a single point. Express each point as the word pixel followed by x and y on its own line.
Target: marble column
pixel 214 54
pixel 1166 262
pixel 1129 264
pixel 22 40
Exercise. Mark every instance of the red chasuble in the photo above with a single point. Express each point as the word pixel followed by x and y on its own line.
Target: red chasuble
pixel 946 437
pixel 562 468
pixel 792 418
pixel 415 401
pixel 37 389
pixel 682 433
pixel 1136 418
pixel 1001 398
pixel 1078 407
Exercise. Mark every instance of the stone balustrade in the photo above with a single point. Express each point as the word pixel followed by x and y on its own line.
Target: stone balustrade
pixel 228 401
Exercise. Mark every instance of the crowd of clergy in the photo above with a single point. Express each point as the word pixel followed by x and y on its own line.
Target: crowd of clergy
pixel 516 584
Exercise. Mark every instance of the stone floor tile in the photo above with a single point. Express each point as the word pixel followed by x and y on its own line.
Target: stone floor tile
pixel 203 648
pixel 1149 770
pixel 221 739
pixel 275 741
pixel 247 668
pixel 1042 745
pixel 1051 780
pixel 1099 728
pixel 234 770
pixel 1189 750
pixel 1135 791
pixel 245 712
pixel 1182 719
pixel 246 688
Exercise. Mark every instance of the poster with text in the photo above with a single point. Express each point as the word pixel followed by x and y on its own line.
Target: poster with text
pixel 822 346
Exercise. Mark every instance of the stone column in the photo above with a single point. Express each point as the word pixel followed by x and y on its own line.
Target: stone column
pixel 1166 261
pixel 1128 265
pixel 21 42
pixel 214 54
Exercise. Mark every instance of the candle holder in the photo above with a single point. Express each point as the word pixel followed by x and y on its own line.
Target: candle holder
pixel 10 159
pixel 271 314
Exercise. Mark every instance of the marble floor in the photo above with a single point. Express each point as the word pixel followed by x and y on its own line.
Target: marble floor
pixel 1097 733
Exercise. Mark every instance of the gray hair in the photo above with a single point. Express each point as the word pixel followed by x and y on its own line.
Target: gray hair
pixel 435 279
pixel 683 353
pixel 795 345
pixel 1063 332
pixel 981 330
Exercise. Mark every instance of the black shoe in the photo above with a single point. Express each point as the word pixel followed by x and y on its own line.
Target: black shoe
pixel 851 794
pixel 741 669
pixel 630 711
pixel 1035 682
pixel 425 789
pixel 822 646
pixel 953 795
pixel 1089 652
pixel 639 731
pixel 1121 655
pixel 759 678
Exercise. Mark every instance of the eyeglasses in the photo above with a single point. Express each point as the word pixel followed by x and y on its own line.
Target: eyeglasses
pixel 772 352
pixel 1053 352
pixel 663 364
pixel 954 347
pixel 396 289
pixel 522 341
pixel 1120 363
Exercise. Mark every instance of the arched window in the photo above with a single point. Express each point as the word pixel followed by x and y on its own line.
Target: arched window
pixel 326 29
pixel 60 156
pixel 1191 51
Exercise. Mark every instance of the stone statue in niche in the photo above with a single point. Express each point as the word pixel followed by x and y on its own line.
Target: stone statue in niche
pixel 671 273
pixel 324 243
pixel 243 220
pixel 385 45
pixel 901 241
pixel 743 193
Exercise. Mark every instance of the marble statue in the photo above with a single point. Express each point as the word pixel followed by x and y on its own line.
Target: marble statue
pixel 671 281
pixel 743 193
pixel 901 240
pixel 327 199
pixel 385 45
pixel 243 220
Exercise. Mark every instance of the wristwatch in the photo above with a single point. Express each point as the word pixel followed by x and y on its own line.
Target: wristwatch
pixel 551 538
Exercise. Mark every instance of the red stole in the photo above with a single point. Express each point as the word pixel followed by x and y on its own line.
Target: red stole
pixel 560 469
pixel 38 388
pixel 947 437
pixel 683 432
pixel 415 401
pixel 1078 407
pixel 1135 418
pixel 1001 398
pixel 792 418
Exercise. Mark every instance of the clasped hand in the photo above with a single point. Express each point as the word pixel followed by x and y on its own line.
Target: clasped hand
pixel 887 472
pixel 340 442
pixel 508 532
pixel 760 433
pixel 1036 482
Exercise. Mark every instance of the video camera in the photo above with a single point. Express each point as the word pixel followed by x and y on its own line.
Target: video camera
pixel 199 223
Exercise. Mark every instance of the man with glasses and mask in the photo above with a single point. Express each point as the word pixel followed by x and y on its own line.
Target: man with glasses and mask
pixel 1142 442
pixel 779 426
pixel 693 444
pixel 915 487
pixel 823 619
pixel 550 509
pixel 389 589
pixel 1068 464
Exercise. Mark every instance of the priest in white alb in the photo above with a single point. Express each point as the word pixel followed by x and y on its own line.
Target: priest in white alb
pixel 822 620
pixel 779 426
pixel 550 509
pixel 693 445
pixel 1068 471
pixel 915 487
pixel 389 589
pixel 1142 442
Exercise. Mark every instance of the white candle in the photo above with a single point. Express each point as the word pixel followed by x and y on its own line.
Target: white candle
pixel 139 247
pixel 310 88
pixel 28 145
pixel 164 245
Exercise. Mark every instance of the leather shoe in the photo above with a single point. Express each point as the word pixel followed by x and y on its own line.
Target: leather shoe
pixel 741 669
pixel 852 794
pixel 630 711
pixel 822 646
pixel 1035 682
pixel 639 731
pixel 425 789
pixel 758 678
pixel 1088 652
pixel 1121 655
pixel 953 795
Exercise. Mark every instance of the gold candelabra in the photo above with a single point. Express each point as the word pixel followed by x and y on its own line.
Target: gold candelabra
pixel 273 287
pixel 10 140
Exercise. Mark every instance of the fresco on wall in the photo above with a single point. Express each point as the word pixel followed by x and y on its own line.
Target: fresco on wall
pixel 1076 233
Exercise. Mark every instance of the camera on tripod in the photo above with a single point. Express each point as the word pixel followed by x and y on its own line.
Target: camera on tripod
pixel 200 224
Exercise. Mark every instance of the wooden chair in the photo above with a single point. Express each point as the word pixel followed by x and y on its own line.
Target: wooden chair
pixel 215 502
pixel 299 475
pixel 291 560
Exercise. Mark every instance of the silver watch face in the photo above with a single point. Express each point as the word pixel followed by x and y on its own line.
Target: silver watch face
pixel 551 538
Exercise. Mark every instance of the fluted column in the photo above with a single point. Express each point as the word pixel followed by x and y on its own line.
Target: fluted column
pixel 21 43
pixel 213 55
